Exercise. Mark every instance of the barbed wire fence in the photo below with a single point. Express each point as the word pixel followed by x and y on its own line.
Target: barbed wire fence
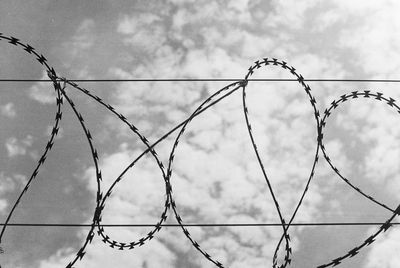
pixel 96 226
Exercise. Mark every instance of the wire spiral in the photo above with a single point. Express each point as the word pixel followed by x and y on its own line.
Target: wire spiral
pixel 60 85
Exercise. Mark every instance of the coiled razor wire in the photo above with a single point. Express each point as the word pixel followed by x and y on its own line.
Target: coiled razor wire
pixel 60 83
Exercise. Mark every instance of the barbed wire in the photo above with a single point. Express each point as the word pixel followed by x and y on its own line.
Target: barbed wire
pixel 60 85
pixel 301 224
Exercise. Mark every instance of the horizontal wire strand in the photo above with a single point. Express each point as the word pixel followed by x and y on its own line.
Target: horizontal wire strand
pixel 202 224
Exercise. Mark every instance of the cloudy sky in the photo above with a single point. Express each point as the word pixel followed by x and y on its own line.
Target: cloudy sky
pixel 216 178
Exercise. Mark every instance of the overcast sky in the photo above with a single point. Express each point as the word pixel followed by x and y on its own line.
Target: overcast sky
pixel 216 178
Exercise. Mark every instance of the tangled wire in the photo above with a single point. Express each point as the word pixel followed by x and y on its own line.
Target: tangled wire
pixel 102 195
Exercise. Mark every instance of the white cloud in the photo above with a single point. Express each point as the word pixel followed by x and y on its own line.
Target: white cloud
pixel 9 184
pixel 43 92
pixel 327 19
pixel 291 14
pixel 49 130
pixel 8 110
pixel 83 38
pixel 144 32
pixel 138 198
pixel 17 147
pixel 100 255
pixel 3 205
pixel 384 252
pixel 374 42
pixel 133 24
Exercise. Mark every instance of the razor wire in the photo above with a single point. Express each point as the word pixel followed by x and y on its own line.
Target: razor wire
pixel 60 84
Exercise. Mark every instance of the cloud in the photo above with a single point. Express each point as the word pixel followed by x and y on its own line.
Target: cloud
pixel 83 38
pixel 43 92
pixel 8 110
pixel 376 55
pixel 17 147
pixel 367 122
pixel 99 255
pixel 49 130
pixel 144 32
pixel 9 184
pixel 3 205
pixel 138 198
pixel 291 14
pixel 131 25
pixel 384 252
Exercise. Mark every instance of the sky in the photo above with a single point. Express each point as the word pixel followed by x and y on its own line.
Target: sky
pixel 215 174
